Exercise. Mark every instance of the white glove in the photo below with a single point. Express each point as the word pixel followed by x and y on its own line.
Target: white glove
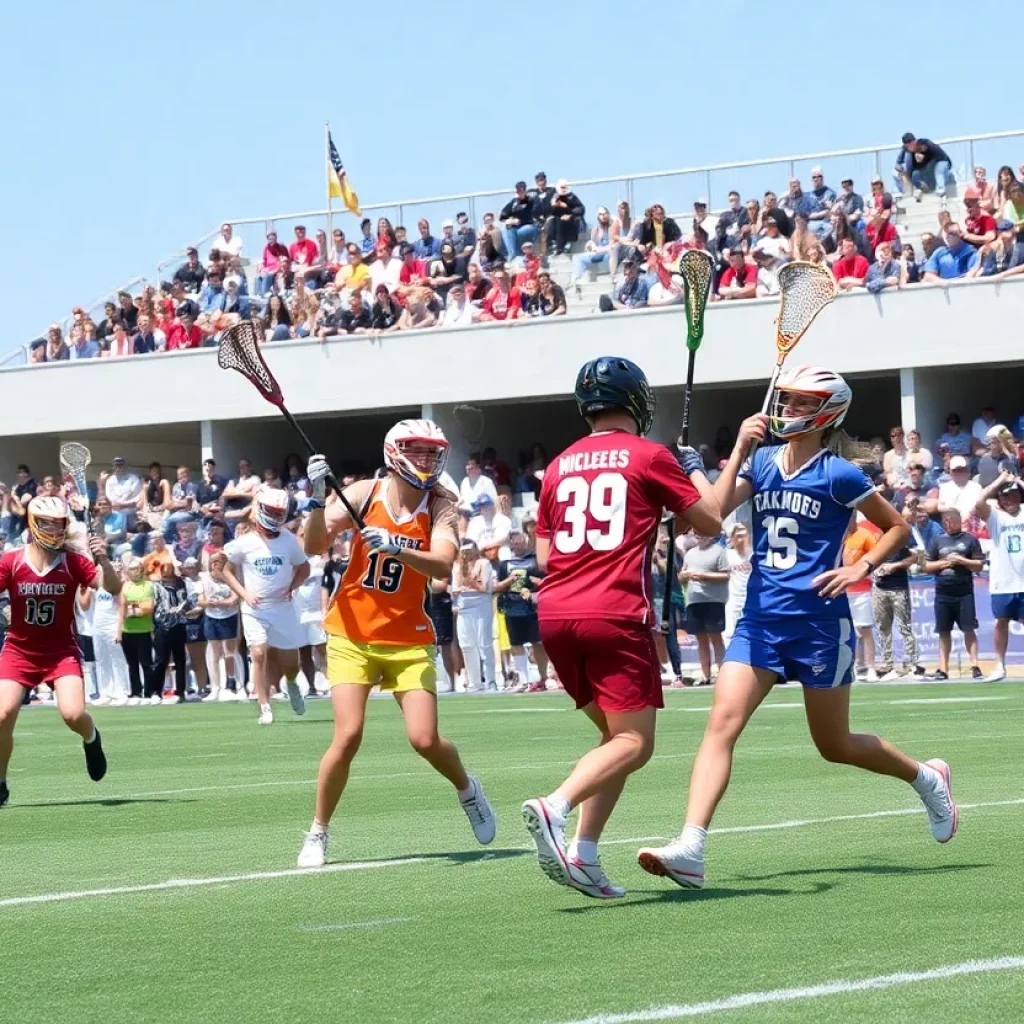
pixel 380 540
pixel 318 471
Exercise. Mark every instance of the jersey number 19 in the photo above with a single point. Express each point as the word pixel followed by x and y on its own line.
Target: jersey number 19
pixel 604 499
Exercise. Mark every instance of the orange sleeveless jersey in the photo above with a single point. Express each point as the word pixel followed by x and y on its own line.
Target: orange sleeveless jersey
pixel 381 600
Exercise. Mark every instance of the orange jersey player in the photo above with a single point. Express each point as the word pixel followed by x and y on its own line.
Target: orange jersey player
pixel 378 630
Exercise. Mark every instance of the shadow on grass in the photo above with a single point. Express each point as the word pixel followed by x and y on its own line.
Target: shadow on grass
pixel 97 802
pixel 866 869
pixel 678 895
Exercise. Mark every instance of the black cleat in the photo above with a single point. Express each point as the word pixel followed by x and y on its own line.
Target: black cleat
pixel 95 759
pixel 5 793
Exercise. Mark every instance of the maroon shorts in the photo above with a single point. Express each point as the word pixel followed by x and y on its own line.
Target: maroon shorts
pixel 32 669
pixel 611 664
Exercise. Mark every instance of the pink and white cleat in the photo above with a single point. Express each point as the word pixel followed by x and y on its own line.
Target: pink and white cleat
pixel 943 813
pixel 591 880
pixel 675 862
pixel 548 831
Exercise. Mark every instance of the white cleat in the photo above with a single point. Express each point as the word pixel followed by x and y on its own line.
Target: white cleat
pixel 278 695
pixel 298 702
pixel 314 850
pixel 155 699
pixel 266 715
pixel 673 861
pixel 119 702
pixel 943 813
pixel 480 813
pixel 870 676
pixel 998 673
pixel 101 702
pixel 547 829
pixel 591 880
pixel 134 702
pixel 212 696
pixel 891 676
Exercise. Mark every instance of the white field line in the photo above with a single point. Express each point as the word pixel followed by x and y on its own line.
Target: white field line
pixel 344 927
pixel 187 883
pixel 192 883
pixel 792 995
pixel 945 700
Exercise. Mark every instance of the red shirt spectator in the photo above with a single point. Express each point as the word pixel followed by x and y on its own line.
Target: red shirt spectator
pixel 303 250
pixel 184 334
pixel 979 227
pixel 883 231
pixel 272 253
pixel 851 269
pixel 502 303
pixel 740 278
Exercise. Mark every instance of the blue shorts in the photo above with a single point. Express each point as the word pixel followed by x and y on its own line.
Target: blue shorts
pixel 1008 606
pixel 220 629
pixel 815 654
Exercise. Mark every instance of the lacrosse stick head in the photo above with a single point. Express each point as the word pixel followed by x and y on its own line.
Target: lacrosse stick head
pixel 471 422
pixel 805 289
pixel 74 460
pixel 697 269
pixel 240 349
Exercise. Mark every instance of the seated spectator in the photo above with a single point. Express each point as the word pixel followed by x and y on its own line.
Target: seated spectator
pixel 465 236
pixel 385 312
pixel 825 196
pixel 879 229
pixel 127 311
pixel 337 250
pixel 229 243
pixel 771 207
pixel 458 311
pixel 951 261
pixel 597 253
pixel 106 327
pixel 489 229
pixel 804 243
pixel 426 247
pixel 212 297
pixel 191 274
pixel 529 298
pixel 303 252
pixel 915 488
pixel 980 427
pixel 184 334
pixel 1004 179
pixel 983 190
pixel 148 338
pixel 447 270
pixel 728 230
pixel 519 219
pixel 367 242
pixel 417 314
pixel 277 321
pixel 411 274
pixel 1000 455
pixel 665 291
pixel 916 451
pixel 552 297
pixel 979 228
pixel 386 233
pixel 273 253
pixel 896 460
pixel 630 294
pixel 1002 258
pixel 81 347
pixel 768 266
pixel 656 231
pixel 885 272
pixel 120 343
pixel 772 241
pixel 490 259
pixel 925 164
pixel 356 319
pixel 815 213
pixel 306 318
pixel 621 236
pixel 476 484
pixel 234 301
pixel 531 264
pixel 851 268
pixel 739 280
pixel 385 270
pixel 503 300
pixel 752 229
pixel 955 441
pixel 852 204
pixel 880 200
pixel 56 349
pixel 543 195
pixel 477 285
pixel 355 274
pixel 1013 209
pixel 238 494
pixel 960 492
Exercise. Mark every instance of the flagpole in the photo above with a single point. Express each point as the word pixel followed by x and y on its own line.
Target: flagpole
pixel 327 164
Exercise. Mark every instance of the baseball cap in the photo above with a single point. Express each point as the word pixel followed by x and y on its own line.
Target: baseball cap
pixel 483 499
pixel 117 458
pixel 702 201
pixel 189 562
pixel 448 224
pixel 877 180
pixel 994 431
pixel 957 462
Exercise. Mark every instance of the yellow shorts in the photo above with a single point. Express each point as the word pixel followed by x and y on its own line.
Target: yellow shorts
pixel 503 641
pixel 396 669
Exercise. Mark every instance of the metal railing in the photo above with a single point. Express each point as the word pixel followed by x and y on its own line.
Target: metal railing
pixel 675 189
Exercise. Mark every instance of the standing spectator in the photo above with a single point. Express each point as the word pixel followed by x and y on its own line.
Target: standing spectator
pixel 979 227
pixel 738 555
pixel 656 231
pixel 220 628
pixel 890 599
pixel 191 274
pixel 239 493
pixel 952 559
pixel 520 220
pixel 273 252
pixel 1006 560
pixel 953 260
pixel 960 492
pixel 851 268
pixel 897 460
pixel 859 542
pixel 169 633
pixel 983 190
pixel 923 529
pixel 426 247
pixel 705 573
pixel 885 272
pixel 472 587
pixel 729 229
pixel 631 293
pixel 925 164
pixel 519 579
pixel 135 629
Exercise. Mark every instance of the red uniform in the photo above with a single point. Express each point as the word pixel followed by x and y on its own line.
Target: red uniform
pixel 41 644
pixel 600 506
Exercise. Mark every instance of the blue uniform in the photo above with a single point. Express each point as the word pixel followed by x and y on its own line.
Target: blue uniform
pixel 799 522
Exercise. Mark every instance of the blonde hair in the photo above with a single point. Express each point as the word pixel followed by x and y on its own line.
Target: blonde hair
pixel 846 446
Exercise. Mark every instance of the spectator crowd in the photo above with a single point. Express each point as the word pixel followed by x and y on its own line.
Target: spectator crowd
pixel 512 266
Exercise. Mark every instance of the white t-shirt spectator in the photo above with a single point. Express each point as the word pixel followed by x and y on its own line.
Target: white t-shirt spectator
pixel 104 613
pixel 232 247
pixel 122 490
pixel 389 275
pixel 267 564
pixel 980 428
pixel 489 534
pixel 659 295
pixel 739 575
pixel 214 590
pixel 1006 566
pixel 963 499
pixel 307 597
pixel 471 490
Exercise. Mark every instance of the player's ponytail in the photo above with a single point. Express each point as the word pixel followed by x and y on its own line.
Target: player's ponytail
pixel 840 443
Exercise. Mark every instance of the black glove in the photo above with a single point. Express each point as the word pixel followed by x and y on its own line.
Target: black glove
pixel 689 460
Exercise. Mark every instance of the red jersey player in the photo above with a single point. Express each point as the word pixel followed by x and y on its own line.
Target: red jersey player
pixel 600 506
pixel 42 580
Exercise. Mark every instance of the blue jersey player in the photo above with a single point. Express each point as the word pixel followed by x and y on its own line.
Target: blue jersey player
pixel 796 621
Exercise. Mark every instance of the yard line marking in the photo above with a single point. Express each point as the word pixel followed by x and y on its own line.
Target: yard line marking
pixel 945 700
pixel 516 711
pixel 313 929
pixel 198 757
pixel 192 883
pixel 791 995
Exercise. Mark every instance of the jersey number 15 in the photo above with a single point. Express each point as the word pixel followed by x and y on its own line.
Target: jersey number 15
pixel 782 533
pixel 604 499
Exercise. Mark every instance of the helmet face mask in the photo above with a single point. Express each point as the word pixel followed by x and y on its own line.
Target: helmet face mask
pixel 48 522
pixel 808 399
pixel 417 451
pixel 613 383
pixel 271 509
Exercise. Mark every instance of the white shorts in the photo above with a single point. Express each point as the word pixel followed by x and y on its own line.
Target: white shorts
pixel 274 625
pixel 861 610
pixel 315 634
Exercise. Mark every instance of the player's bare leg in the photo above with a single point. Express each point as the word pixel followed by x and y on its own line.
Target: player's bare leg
pixel 419 709
pixel 260 683
pixel 11 696
pixel 828 717
pixel 704 656
pixel 70 694
pixel 286 663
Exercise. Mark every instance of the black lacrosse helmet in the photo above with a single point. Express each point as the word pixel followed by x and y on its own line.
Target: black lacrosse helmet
pixel 611 382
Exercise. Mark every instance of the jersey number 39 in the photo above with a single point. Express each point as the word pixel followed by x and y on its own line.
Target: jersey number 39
pixel 604 499
pixel 782 533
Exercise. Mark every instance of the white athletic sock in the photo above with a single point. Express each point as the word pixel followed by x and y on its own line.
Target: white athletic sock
pixel 693 839
pixel 92 738
pixel 466 794
pixel 521 663
pixel 318 828
pixel 926 780
pixel 558 804
pixel 584 850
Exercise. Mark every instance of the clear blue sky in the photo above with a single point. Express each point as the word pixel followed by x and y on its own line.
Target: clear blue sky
pixel 132 128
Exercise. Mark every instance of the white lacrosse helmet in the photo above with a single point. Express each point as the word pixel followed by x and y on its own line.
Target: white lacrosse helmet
pixel 48 521
pixel 833 396
pixel 271 508
pixel 417 451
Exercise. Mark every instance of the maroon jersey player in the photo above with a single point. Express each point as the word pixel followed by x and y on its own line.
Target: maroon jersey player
pixel 601 503
pixel 42 580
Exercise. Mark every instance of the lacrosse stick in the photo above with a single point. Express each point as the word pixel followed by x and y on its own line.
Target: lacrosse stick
pixel 471 423
pixel 239 349
pixel 805 289
pixel 74 460
pixel 697 269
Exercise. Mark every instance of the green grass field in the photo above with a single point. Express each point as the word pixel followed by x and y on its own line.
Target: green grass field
pixel 412 922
